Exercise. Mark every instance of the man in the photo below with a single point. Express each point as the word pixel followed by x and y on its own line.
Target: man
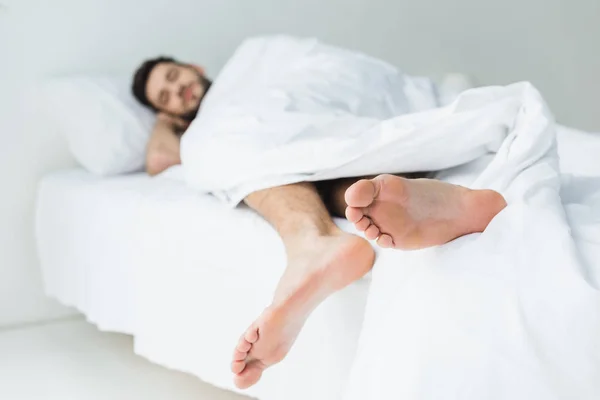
pixel 397 212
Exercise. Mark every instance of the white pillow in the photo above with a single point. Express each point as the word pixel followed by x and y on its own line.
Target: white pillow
pixel 107 130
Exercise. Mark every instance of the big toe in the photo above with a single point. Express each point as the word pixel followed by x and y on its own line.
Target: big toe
pixel 249 376
pixel 362 193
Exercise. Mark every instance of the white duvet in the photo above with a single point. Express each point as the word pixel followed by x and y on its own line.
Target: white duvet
pixel 512 313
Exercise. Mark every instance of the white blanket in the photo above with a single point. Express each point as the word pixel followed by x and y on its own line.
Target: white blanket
pixel 513 313
pixel 285 110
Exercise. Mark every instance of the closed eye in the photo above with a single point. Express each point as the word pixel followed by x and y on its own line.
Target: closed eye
pixel 172 74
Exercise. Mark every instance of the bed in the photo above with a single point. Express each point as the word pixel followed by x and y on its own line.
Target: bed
pixel 185 275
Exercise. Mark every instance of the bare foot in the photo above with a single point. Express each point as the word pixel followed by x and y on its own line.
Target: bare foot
pixel 317 267
pixel 417 213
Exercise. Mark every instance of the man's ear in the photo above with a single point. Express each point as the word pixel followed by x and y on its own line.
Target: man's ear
pixel 199 69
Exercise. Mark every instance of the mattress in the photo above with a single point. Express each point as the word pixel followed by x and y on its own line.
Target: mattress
pixel 185 276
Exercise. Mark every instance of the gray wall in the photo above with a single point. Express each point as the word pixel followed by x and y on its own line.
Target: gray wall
pixel 553 43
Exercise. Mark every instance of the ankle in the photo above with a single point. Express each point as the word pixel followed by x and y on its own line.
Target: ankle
pixel 307 236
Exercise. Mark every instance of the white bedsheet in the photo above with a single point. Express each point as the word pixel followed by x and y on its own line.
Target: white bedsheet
pixel 185 276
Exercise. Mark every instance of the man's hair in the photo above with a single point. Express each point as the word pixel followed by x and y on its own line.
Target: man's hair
pixel 140 79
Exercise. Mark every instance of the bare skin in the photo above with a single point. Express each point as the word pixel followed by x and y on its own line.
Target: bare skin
pixel 163 150
pixel 412 214
pixel 322 259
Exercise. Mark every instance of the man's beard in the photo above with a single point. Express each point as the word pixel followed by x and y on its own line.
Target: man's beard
pixel 191 115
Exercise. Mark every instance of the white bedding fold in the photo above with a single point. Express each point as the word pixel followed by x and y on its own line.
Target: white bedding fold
pixel 327 113
pixel 285 110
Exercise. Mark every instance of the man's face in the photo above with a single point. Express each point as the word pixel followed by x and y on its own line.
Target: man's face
pixel 177 89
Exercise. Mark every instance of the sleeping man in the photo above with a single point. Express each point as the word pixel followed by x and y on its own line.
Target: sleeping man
pixel 397 211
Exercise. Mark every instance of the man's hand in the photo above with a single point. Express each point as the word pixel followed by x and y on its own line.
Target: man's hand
pixel 163 147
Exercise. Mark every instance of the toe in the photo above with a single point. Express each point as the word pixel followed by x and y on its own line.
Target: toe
pixel 354 214
pixel 372 232
pixel 239 355
pixel 363 224
pixel 251 335
pixel 248 377
pixel 385 241
pixel 362 193
pixel 237 366
pixel 243 345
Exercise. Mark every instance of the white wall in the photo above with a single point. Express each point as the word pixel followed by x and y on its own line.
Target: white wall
pixel 553 43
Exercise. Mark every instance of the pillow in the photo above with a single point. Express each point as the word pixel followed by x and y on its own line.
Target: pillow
pixel 107 130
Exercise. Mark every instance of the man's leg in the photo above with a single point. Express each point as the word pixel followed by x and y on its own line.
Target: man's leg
pixel 333 193
pixel 321 260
